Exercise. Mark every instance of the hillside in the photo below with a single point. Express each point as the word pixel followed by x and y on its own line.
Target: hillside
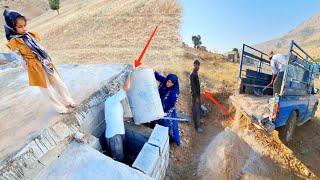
pixel 307 35
pixel 29 8
pixel 103 31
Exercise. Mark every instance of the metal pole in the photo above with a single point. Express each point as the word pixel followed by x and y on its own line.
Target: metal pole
pixel 241 61
pixel 284 80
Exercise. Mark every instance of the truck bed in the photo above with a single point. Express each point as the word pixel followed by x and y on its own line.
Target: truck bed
pixel 255 107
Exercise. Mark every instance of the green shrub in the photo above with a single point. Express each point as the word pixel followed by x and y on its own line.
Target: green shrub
pixel 55 5
pixel 196 41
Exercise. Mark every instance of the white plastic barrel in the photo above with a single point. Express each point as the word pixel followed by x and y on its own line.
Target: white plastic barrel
pixel 143 96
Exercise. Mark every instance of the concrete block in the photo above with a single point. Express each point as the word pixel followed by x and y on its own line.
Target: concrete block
pixel 160 170
pixel 165 162
pixel 156 169
pixel 143 130
pixel 162 165
pixel 94 143
pixel 159 137
pixel 92 120
pixel 147 159
pixel 62 130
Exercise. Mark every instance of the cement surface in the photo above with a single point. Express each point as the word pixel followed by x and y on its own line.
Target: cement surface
pixel 25 112
pixel 82 162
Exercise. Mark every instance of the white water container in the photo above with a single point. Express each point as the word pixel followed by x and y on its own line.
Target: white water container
pixel 143 96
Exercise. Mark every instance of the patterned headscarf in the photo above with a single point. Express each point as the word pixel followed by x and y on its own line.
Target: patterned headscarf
pixel 10 17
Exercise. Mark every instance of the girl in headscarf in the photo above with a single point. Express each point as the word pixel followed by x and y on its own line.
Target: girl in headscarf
pixel 169 94
pixel 41 71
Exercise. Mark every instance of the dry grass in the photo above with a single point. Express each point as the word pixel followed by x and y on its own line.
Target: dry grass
pixel 102 31
pixel 30 8
pixel 215 71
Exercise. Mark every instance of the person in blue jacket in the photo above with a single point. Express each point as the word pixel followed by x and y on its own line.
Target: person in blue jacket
pixel 169 94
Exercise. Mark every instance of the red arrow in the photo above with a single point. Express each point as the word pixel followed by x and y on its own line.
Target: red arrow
pixel 209 96
pixel 137 62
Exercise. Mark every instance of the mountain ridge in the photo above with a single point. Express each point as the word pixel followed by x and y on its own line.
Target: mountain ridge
pixel 306 35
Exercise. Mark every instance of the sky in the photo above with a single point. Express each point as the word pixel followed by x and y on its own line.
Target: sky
pixel 225 24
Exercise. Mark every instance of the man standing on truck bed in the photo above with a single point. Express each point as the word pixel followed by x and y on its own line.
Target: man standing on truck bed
pixel 278 63
pixel 195 92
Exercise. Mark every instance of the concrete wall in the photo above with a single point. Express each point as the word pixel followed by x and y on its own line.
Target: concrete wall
pixel 136 137
pixel 50 141
pixel 28 161
pixel 39 155
pixel 153 159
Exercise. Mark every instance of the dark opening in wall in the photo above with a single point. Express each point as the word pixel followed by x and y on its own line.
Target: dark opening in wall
pixel 135 137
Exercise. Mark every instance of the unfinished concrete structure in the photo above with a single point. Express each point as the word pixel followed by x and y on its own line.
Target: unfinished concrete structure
pixel 38 143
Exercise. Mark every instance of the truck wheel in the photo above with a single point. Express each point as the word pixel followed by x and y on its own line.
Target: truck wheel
pixel 286 132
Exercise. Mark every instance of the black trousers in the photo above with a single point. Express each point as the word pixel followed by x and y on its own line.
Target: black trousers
pixel 277 83
pixel 196 112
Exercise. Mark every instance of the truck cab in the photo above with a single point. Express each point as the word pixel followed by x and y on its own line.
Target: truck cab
pixel 297 101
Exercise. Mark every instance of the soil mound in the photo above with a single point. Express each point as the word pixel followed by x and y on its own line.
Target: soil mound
pixel 243 152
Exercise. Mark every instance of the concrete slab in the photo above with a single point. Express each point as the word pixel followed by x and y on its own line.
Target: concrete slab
pixel 82 162
pixel 24 111
pixel 159 137
pixel 147 159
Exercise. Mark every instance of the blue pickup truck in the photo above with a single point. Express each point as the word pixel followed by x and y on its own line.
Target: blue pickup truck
pixel 297 101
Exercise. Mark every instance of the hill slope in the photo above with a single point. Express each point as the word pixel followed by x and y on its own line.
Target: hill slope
pixel 307 35
pixel 30 8
pixel 101 31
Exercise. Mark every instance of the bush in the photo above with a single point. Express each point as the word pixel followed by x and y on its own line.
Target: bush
pixel 55 5
pixel 196 41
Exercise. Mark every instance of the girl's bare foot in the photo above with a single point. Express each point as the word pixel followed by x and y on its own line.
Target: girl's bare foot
pixel 72 105
pixel 66 111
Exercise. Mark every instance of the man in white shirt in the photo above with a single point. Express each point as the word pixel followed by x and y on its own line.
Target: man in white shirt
pixel 113 111
pixel 278 64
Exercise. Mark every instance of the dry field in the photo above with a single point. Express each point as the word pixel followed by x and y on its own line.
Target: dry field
pixel 102 31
